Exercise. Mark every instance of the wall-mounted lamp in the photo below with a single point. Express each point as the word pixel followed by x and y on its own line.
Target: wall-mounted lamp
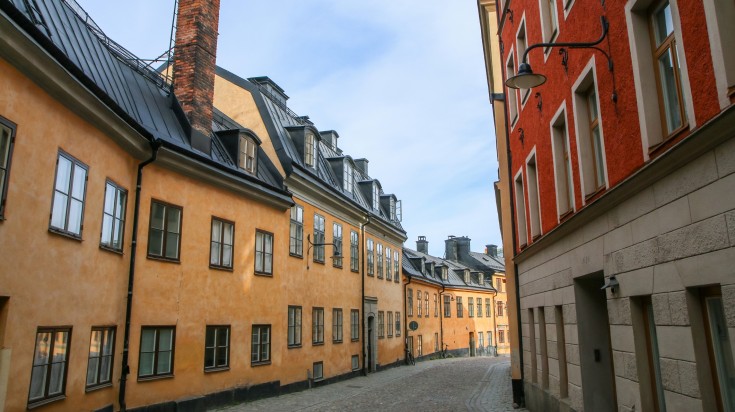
pixel 611 284
pixel 335 252
pixel 527 79
pixel 522 135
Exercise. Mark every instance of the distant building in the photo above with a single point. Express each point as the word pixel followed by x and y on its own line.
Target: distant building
pixel 454 305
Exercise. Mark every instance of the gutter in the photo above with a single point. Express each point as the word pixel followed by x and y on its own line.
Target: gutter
pixel 125 369
pixel 362 302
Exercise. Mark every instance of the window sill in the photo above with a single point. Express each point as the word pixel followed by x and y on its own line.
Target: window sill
pixel 263 274
pixel 97 387
pixel 355 340
pixel 163 259
pixel 337 266
pixel 264 363
pixel 155 378
pixel 354 271
pixel 66 234
pixel 222 268
pixel 317 343
pixel 594 193
pixel 296 256
pixel 337 341
pixel 36 404
pixel 111 250
pixel 321 262
pixel 217 369
pixel 294 346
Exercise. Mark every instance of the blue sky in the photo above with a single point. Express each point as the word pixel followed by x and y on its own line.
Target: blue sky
pixel 401 81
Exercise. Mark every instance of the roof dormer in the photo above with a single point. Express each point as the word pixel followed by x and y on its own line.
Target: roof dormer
pixel 466 275
pixel 306 141
pixel 392 207
pixel 242 146
pixel 371 192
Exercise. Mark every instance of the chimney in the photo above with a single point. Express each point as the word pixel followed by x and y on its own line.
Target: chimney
pixel 463 249
pixel 422 245
pixel 330 137
pixel 362 164
pixel 491 250
pixel 450 248
pixel 194 66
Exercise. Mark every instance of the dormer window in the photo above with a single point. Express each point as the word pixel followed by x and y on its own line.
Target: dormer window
pixel 347 184
pixel 392 209
pixel 376 197
pixel 310 150
pixel 466 276
pixel 247 159
pixel 482 278
pixel 445 274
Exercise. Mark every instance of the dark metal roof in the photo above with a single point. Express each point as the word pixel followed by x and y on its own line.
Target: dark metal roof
pixel 128 85
pixel 455 271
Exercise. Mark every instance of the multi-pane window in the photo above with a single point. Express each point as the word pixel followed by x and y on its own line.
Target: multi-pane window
pixel 101 351
pixel 354 324
pixel 317 326
pixel 398 324
pixel 370 258
pixel 223 237
pixel 67 210
pixel 534 208
pixel 436 306
pixel 521 210
pixel 471 307
pixel 337 240
pixel 355 362
pixel 318 368
pixel 217 347
pixel 354 251
pixel 248 150
pixel 460 309
pixel 447 306
pixel 294 326
pixel 379 259
pixel 319 238
pixel 420 346
pixel 296 232
pixel 263 252
pixel 562 166
pixel 113 217
pixel 521 45
pixel 668 76
pixel 499 310
pixel 501 336
pixel 480 340
pixel 598 166
pixel 7 137
pixel 309 150
pixel 426 304
pixel 390 324
pixel 337 325
pixel 479 307
pixel 48 375
pixel 164 234
pixel 510 69
pixel 347 183
pixel 381 324
pixel 388 264
pixel 418 303
pixel 488 310
pixel 376 196
pixel 260 348
pixel 549 20
pixel 409 301
pixel 156 351
pixel 396 267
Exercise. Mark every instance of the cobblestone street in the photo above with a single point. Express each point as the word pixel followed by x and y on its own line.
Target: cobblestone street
pixel 458 384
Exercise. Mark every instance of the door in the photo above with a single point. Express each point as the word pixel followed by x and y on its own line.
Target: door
pixel 472 344
pixel 371 322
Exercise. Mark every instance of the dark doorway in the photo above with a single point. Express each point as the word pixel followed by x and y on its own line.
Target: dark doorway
pixel 472 344
pixel 371 322
pixel 595 350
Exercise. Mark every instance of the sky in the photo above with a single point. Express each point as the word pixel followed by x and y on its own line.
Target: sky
pixel 402 81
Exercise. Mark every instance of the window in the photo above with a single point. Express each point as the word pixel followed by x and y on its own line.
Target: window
pixel 354 252
pixel 164 233
pixel 420 345
pixel 7 140
pixel 67 211
pixel 376 196
pixel 48 375
pixel 471 307
pixel 319 238
pixel 317 326
pixel 296 242
pixel 260 351
pixel 510 69
pixel 409 302
pixel 390 324
pixel 310 150
pixel 499 310
pixel 562 164
pixel 381 325
pixel 479 307
pixel 418 303
pixel 347 183
pixel 156 351
pixel 719 347
pixel 370 257
pixel 398 324
pixel 549 20
pixel 521 210
pixel 396 267
pixel 388 264
pixel 392 209
pixel 355 362
pixel 488 310
pixel 521 45
pixel 480 340
pixel 263 253
pixel 248 150
pixel 318 370
pixel 501 336
pixel 668 77
pixel 467 276
pixel 426 304
pixel 460 309
pixel 101 355
pixel 223 233
pixel 294 326
pixel 499 284
pixel 489 338
pixel 436 306
pixel 534 209
pixel 562 352
pixel 447 307
pixel 445 273
pixel 355 325
pixel 113 216
pixel 336 325
pixel 590 141
pixel 379 259
pixel 217 348
pixel 337 240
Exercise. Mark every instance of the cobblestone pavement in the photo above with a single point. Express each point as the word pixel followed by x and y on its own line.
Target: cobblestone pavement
pixel 455 384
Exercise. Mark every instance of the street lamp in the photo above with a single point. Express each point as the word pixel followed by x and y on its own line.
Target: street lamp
pixel 335 254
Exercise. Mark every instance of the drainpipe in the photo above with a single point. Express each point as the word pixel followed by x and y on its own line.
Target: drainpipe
pixel 405 317
pixel 441 318
pixel 495 322
pixel 362 302
pixel 125 370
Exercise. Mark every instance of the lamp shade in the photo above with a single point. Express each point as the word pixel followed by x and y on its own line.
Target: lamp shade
pixel 526 78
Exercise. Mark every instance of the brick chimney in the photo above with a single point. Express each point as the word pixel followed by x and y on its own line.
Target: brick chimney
pixel 194 65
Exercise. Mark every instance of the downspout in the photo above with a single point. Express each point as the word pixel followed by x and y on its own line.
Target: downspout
pixel 362 302
pixel 405 318
pixel 441 318
pixel 495 321
pixel 125 370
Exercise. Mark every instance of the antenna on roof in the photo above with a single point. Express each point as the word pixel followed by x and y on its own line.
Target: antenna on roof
pixel 171 45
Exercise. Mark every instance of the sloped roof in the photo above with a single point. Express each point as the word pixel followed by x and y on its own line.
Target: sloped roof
pixel 127 85
pixel 455 271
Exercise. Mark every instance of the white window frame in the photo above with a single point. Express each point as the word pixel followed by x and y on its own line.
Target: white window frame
pixel 514 111
pixel 67 196
pixel 548 34
pixel 310 147
pixel 337 241
pixel 720 16
pixel 113 218
pixel 520 207
pixel 559 122
pixel 534 195
pixel 348 177
pixel 521 46
pixel 248 154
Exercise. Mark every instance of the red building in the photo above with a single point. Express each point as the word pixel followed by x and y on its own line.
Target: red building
pixel 623 198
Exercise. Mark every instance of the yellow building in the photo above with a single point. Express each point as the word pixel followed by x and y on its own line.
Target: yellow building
pixel 452 306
